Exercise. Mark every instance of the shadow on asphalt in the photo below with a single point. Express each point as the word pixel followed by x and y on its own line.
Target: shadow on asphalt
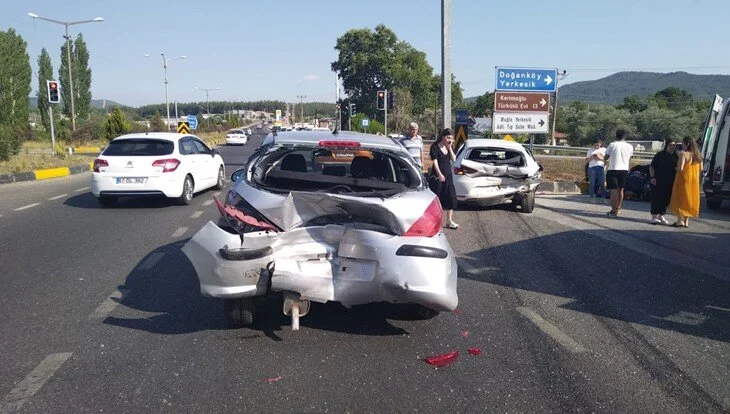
pixel 171 291
pixel 88 201
pixel 645 206
pixel 600 281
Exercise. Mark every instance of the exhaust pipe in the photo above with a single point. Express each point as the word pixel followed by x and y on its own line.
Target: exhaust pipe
pixel 295 307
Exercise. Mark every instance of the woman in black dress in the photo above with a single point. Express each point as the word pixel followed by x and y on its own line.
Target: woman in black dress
pixel 662 172
pixel 442 154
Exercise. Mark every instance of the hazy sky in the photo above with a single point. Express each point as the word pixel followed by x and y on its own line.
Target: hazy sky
pixel 277 50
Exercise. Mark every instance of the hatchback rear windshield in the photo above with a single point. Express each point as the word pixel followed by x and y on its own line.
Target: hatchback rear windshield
pixel 497 156
pixel 140 147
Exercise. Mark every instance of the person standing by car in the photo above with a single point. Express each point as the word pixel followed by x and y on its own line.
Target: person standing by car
pixel 414 144
pixel 596 169
pixel 442 154
pixel 619 155
pixel 662 172
pixel 685 201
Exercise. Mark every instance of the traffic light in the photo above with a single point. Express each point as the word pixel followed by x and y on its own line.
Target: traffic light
pixel 381 100
pixel 53 96
pixel 352 109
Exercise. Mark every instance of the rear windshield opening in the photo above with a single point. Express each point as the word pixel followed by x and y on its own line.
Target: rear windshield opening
pixel 357 171
pixel 140 147
pixel 497 156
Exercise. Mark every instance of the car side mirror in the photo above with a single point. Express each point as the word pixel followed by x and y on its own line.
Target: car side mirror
pixel 214 152
pixel 238 174
pixel 540 169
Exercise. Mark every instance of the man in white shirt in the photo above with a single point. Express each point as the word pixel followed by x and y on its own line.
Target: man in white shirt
pixel 414 144
pixel 619 155
pixel 596 171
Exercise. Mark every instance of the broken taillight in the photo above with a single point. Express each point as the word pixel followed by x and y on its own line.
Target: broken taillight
pixel 464 170
pixel 429 224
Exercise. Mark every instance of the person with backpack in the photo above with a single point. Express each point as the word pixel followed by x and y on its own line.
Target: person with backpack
pixel 618 154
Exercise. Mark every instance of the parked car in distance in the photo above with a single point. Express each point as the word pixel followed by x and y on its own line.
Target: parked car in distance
pixel 493 171
pixel 325 217
pixel 236 137
pixel 248 131
pixel 156 164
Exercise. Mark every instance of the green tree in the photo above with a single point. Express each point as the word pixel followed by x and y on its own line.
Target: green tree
pixel 65 81
pixel 45 73
pixel 633 104
pixel 81 78
pixel 484 105
pixel 374 127
pixel 402 112
pixel 674 98
pixel 15 80
pixel 116 125
pixel 156 123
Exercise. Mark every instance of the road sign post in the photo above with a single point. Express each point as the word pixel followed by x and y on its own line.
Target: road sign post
pixel 366 124
pixel 193 122
pixel 183 128
pixel 525 79
pixel 520 123
pixel 522 100
pixel 462 121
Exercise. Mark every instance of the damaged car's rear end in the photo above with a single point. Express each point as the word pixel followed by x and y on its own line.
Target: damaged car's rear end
pixel 309 219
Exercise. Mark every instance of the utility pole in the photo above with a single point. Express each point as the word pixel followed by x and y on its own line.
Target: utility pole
pixel 385 111
pixel 446 63
pixel 301 107
pixel 560 76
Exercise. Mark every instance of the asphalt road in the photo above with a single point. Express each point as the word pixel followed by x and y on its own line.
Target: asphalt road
pixel 572 312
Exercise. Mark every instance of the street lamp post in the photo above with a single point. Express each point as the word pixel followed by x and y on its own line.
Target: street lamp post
pixel 207 100
pixel 165 62
pixel 68 57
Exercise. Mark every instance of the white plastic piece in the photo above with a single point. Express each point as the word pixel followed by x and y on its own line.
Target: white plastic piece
pixel 295 317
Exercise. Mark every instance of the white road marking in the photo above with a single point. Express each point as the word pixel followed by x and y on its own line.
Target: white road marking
pixel 83 189
pixel 707 306
pixel 551 330
pixel 58 196
pixel 109 304
pixel 28 206
pixel 179 232
pixel 33 382
pixel 208 202
pixel 151 261
pixel 197 214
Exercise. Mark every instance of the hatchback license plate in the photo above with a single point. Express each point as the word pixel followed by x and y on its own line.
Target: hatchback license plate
pixel 131 180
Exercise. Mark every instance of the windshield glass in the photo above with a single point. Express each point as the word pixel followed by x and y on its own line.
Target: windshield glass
pixel 140 146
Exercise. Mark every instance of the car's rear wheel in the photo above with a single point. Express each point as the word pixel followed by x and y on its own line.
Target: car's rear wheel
pixel 187 194
pixel 221 179
pixel 527 202
pixel 107 201
pixel 714 203
pixel 240 312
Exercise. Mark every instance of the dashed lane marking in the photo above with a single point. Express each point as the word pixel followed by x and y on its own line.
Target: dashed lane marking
pixel 58 196
pixel 551 330
pixel 208 202
pixel 27 207
pixel 179 232
pixel 151 261
pixel 109 304
pixel 33 382
pixel 83 189
pixel 197 214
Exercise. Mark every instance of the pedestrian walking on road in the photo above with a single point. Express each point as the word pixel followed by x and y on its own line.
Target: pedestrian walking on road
pixel 414 144
pixel 618 154
pixel 442 154
pixel 685 201
pixel 662 171
pixel 596 170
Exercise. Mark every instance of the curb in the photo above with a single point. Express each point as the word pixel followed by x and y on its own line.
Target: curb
pixel 558 187
pixel 45 174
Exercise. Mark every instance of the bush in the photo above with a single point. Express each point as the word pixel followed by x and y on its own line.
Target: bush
pixel 116 124
pixel 12 138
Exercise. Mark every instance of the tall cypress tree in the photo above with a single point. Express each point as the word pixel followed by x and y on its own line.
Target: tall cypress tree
pixel 15 80
pixel 82 78
pixel 45 73
pixel 63 77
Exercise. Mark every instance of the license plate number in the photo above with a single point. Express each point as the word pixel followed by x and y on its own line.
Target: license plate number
pixel 131 180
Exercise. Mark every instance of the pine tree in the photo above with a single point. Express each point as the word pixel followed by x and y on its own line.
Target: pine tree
pixel 157 124
pixel 15 80
pixel 63 77
pixel 81 78
pixel 45 73
pixel 116 125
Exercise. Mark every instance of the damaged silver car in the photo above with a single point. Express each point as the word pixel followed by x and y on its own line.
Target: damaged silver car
pixel 492 171
pixel 321 217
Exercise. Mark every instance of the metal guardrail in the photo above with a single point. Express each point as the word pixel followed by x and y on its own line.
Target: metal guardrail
pixel 580 151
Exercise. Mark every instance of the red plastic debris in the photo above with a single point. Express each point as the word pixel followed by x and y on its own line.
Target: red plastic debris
pixel 275 379
pixel 457 311
pixel 475 351
pixel 443 359
pixel 465 334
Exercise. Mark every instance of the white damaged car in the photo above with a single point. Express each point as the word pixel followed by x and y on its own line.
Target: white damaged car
pixel 493 171
pixel 325 217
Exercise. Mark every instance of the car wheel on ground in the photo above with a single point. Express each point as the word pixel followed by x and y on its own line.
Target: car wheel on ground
pixel 714 203
pixel 240 312
pixel 221 179
pixel 187 194
pixel 527 202
pixel 107 201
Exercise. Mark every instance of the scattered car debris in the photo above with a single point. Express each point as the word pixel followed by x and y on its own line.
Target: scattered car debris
pixel 443 359
pixel 275 379
pixel 475 351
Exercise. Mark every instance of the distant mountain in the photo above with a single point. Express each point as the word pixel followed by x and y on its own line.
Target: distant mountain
pixel 613 89
pixel 95 103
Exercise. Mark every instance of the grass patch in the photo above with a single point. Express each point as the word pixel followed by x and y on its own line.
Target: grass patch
pixel 26 163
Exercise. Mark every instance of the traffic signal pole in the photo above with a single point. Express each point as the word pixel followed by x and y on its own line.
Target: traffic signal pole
pixel 385 111
pixel 53 133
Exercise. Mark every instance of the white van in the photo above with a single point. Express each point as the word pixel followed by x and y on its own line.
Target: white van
pixel 716 154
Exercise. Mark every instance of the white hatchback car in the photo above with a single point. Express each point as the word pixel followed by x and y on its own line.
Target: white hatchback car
pixel 494 171
pixel 156 164
pixel 236 137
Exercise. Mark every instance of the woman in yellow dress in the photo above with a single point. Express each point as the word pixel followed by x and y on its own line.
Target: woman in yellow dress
pixel 685 201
